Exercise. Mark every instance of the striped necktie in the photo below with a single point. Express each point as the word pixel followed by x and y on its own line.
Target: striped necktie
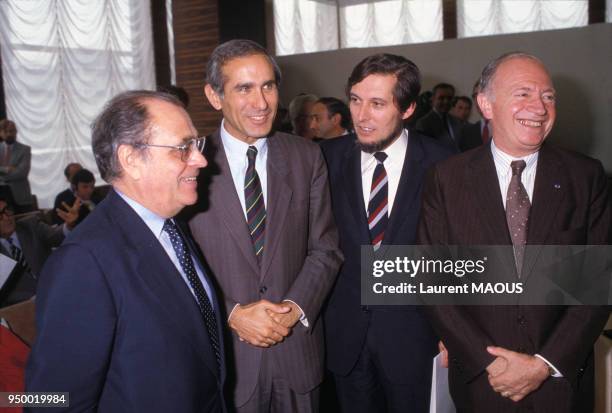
pixel 254 203
pixel 377 206
pixel 206 309
pixel 18 256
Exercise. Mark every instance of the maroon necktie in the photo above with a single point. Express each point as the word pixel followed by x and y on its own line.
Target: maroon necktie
pixel 485 132
pixel 517 213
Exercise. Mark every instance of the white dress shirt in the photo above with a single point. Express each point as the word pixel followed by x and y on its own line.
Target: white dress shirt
pixel 396 153
pixel 156 224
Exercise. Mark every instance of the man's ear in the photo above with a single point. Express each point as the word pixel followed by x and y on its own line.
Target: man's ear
pixel 130 160
pixel 484 103
pixel 408 112
pixel 212 96
pixel 336 119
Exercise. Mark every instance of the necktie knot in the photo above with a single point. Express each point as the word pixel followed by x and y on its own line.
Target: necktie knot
pixel 380 157
pixel 251 154
pixel 517 167
pixel 170 228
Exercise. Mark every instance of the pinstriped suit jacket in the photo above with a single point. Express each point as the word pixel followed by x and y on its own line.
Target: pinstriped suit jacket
pixel 300 262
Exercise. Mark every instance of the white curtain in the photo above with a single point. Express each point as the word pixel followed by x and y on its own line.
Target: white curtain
pixel 486 17
pixel 61 61
pixel 390 22
pixel 303 26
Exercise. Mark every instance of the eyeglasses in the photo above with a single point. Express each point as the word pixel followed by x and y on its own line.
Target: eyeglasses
pixel 6 211
pixel 185 149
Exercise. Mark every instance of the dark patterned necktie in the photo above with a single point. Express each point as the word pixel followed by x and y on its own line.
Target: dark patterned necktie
pixel 19 257
pixel 378 206
pixel 517 213
pixel 254 204
pixel 184 257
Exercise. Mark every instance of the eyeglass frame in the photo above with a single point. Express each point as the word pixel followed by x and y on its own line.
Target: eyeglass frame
pixel 185 149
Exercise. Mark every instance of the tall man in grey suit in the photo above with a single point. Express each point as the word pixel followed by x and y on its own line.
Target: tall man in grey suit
pixel 518 190
pixel 268 235
pixel 15 161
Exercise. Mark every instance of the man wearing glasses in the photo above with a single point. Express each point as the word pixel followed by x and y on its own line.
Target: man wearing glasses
pixel 127 318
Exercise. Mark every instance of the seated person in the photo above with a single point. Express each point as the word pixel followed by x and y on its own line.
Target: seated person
pixel 28 242
pixel 69 171
pixel 82 184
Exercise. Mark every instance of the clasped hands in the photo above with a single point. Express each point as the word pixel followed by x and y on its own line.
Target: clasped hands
pixel 512 375
pixel 264 323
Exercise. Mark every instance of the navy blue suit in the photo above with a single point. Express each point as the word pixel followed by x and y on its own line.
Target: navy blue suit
pixel 118 327
pixel 404 341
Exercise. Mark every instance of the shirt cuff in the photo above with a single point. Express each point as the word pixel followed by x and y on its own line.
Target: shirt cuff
pixel 555 371
pixel 303 318
pixel 232 312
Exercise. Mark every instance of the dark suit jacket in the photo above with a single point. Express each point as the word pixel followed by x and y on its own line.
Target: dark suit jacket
pixel 462 205
pixel 470 136
pixel 433 126
pixel 117 326
pixel 37 240
pixel 405 341
pixel 17 179
pixel 301 255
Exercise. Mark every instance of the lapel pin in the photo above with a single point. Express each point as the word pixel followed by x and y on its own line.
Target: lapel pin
pixel 557 186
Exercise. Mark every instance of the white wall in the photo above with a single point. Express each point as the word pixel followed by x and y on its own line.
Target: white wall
pixel 580 62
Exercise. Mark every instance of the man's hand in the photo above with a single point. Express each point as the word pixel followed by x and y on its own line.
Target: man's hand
pixel 288 319
pixel 522 374
pixel 71 213
pixel 253 324
pixel 444 353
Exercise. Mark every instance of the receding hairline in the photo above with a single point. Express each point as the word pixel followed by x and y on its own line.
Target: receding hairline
pixel 510 57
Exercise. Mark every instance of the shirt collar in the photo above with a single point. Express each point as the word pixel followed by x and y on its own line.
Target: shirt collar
pixel 236 148
pixel 503 159
pixel 151 219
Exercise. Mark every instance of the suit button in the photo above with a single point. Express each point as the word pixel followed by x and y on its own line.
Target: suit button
pixel 263 289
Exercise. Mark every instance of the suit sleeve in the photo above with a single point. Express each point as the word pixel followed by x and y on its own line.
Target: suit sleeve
pixel 76 322
pixel 464 339
pixel 572 340
pixel 310 288
pixel 22 167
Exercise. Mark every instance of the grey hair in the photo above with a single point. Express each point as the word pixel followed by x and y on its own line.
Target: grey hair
pixel 488 73
pixel 125 120
pixel 297 103
pixel 231 50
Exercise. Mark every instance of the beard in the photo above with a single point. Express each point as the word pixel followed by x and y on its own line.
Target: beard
pixel 383 143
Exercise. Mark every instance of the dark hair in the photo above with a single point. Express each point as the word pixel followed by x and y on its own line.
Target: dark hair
pixel 336 106
pixel 231 50
pixel 176 91
pixel 463 98
pixel 486 77
pixel 407 74
pixel 125 120
pixel 70 165
pixel 82 176
pixel 442 86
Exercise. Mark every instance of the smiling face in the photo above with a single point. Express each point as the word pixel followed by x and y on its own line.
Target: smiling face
pixel 521 106
pixel 250 97
pixel 164 183
pixel 377 120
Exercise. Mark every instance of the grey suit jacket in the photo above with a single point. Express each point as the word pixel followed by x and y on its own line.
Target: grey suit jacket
pixel 37 240
pixel 301 254
pixel 17 179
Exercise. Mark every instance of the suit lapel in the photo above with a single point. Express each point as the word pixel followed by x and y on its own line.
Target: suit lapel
pixel 409 186
pixel 162 278
pixel 549 189
pixel 279 197
pixel 229 208
pixel 354 193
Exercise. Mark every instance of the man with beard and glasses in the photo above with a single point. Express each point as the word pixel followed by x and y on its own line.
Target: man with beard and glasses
pixel 380 357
